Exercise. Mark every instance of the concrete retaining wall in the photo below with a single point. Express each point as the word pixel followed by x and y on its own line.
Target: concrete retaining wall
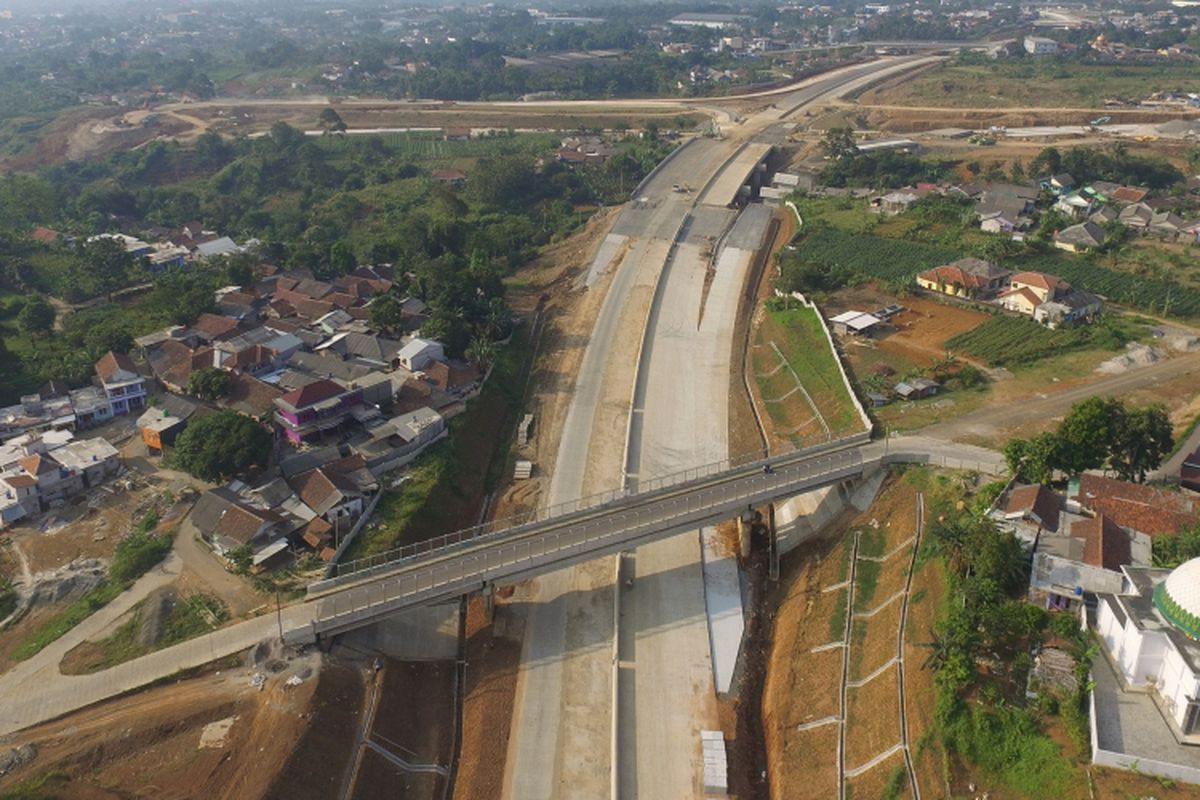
pixel 331 567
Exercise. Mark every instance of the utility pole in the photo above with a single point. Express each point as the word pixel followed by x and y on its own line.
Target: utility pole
pixel 279 614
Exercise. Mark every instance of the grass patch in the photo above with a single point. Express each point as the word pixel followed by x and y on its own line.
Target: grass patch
pixel 8 598
pixel 41 787
pixel 1009 745
pixel 192 616
pixel 1038 82
pixel 135 555
pixel 797 331
pixel 897 782
pixel 866 579
pixel 445 488
pixel 837 621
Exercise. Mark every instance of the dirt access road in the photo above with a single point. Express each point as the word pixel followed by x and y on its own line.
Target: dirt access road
pixel 995 423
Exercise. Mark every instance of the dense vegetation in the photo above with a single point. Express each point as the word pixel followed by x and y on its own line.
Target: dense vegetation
pixel 222 445
pixel 1116 164
pixel 325 204
pixel 833 256
pixel 982 651
pixel 1171 549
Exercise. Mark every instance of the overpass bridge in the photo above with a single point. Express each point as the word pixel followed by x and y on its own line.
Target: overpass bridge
pixel 473 559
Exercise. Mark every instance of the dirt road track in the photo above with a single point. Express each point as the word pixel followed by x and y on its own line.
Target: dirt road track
pixel 992 423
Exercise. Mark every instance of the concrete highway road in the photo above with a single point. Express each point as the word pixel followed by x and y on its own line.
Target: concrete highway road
pixel 564 735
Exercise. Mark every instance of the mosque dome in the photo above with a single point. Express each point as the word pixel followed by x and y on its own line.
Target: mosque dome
pixel 1178 597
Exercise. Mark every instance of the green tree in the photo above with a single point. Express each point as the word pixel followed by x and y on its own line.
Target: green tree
pixel 223 445
pixel 1143 438
pixel 481 352
pixel 331 120
pixel 209 383
pixel 385 313
pixel 37 317
pixel 105 265
pixel 241 558
pixel 839 143
pixel 1033 459
pixel 1086 434
pixel 1171 550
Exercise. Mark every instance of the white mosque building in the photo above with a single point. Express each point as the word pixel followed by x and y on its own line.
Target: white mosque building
pixel 1150 632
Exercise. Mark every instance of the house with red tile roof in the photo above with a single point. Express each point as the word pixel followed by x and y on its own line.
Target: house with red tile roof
pixel 1036 505
pixel 118 376
pixel 1135 506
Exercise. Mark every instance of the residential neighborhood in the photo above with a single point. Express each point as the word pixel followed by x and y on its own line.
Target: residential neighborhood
pixel 295 354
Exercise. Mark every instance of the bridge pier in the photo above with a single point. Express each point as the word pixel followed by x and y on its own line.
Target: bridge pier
pixel 489 601
pixel 745 528
pixel 772 545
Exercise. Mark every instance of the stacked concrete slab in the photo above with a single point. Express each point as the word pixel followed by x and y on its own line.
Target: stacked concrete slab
pixel 716 767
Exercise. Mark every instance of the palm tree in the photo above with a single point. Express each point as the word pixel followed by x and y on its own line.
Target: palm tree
pixel 481 352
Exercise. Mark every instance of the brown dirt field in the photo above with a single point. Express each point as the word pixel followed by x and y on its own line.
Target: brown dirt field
pixel 871 783
pixel 801 621
pixel 325 746
pixel 417 703
pixel 146 744
pixel 872 719
pixel 487 707
pixel 12 636
pixel 379 778
pixel 918 683
pixel 245 117
pixel 803 768
pixel 873 641
pixel 922 329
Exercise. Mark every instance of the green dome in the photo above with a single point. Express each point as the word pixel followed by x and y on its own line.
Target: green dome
pixel 1178 597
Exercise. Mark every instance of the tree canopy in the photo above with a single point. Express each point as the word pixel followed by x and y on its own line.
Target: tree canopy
pixel 1098 433
pixel 209 383
pixel 222 445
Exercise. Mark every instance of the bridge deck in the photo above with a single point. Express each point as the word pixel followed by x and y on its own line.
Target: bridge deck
pixel 737 173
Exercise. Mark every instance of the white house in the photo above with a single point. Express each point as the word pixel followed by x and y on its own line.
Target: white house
pixel 125 388
pixel 1040 46
pixel 415 355
pixel 1149 632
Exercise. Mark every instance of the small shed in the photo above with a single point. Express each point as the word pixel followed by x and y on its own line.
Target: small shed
pixel 855 323
pixel 916 389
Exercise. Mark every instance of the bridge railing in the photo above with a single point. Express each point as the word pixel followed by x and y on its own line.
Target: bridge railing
pixel 362 568
pixel 586 537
